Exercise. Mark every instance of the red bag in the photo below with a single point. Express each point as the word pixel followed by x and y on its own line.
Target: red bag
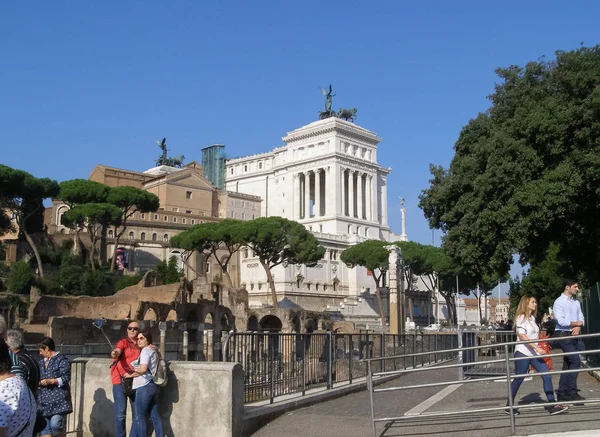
pixel 545 345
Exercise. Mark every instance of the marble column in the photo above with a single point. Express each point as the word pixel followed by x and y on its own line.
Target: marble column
pixel 384 214
pixel 344 187
pixel 307 195
pixel 351 193
pixel 368 198
pixel 317 207
pixel 359 195
pixel 375 199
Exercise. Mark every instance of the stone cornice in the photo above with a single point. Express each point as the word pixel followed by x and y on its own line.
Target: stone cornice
pixel 332 125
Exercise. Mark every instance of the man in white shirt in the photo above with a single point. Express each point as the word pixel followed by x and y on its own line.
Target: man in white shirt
pixel 569 321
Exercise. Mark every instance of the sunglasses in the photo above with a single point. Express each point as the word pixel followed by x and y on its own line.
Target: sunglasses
pixel 133 328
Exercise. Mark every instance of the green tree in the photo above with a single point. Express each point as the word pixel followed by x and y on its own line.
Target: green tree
pixel 169 271
pixel 20 277
pixel 373 256
pixel 94 217
pixel 130 200
pixel 76 192
pixel 276 241
pixel 210 238
pixel 525 172
pixel 24 197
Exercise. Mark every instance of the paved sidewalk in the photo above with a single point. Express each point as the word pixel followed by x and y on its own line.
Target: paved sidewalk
pixel 350 416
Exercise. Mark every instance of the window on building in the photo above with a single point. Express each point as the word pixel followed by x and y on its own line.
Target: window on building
pixel 193 221
pixel 155 216
pixel 245 168
pixel 189 211
pixel 260 165
pixel 175 209
pixel 143 236
pixel 142 216
pixel 253 216
pixel 243 216
pixel 320 228
pixel 131 235
pixel 324 287
pixel 183 221
pixel 207 267
pixel 188 194
pixel 174 219
pixel 154 237
pixel 111 234
pixel 349 229
pixel 231 171
pixel 366 231
pixel 166 218
pixel 232 214
pixel 166 238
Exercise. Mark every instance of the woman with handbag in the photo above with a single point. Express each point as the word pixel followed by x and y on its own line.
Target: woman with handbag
pixel 146 391
pixel 54 395
pixel 527 329
pixel 17 403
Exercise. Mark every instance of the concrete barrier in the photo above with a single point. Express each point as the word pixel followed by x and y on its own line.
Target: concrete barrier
pixel 201 399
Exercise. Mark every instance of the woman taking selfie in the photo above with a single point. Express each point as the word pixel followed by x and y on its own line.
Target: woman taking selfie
pixel 146 391
pixel 527 329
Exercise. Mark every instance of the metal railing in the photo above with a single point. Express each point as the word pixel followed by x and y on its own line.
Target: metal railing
pixel 506 359
pixel 277 364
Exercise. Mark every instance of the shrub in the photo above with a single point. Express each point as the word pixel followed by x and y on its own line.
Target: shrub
pixel 93 283
pixel 127 281
pixel 169 271
pixel 20 277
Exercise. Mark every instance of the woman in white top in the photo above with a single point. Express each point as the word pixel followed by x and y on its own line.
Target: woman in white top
pixel 17 404
pixel 527 329
pixel 146 391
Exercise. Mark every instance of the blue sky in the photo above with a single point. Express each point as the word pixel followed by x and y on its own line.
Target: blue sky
pixel 83 83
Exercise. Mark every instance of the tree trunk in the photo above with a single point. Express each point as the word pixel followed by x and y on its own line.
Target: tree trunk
pixel 76 245
pixel 381 315
pixel 35 252
pixel 92 250
pixel 437 306
pixel 114 255
pixel 271 282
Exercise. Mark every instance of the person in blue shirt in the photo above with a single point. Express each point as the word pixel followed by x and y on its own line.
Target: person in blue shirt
pixel 569 321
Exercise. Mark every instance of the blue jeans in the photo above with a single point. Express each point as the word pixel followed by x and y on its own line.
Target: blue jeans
pixel 121 412
pixel 521 368
pixel 146 400
pixel 54 424
pixel 567 384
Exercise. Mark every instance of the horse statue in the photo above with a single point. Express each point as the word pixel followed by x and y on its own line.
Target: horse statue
pixel 348 114
pixel 175 162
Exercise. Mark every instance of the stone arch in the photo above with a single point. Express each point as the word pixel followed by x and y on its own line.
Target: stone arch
pixel 150 315
pixel 296 324
pixel 172 315
pixel 208 320
pixel 192 316
pixel 226 323
pixel 59 213
pixel 270 323
pixel 252 323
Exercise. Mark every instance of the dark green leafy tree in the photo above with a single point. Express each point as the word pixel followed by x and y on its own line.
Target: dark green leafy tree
pixel 276 241
pixel 525 173
pixel 94 217
pixel 211 239
pixel 24 197
pixel 130 200
pixel 373 256
pixel 20 277
pixel 76 192
pixel 169 271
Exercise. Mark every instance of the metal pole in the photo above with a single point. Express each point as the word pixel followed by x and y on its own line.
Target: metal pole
pixel 370 387
pixel 351 350
pixel 329 361
pixel 461 372
pixel 303 364
pixel 510 399
pixel 271 370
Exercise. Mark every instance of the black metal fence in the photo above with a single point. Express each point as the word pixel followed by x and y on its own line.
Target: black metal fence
pixel 482 362
pixel 278 364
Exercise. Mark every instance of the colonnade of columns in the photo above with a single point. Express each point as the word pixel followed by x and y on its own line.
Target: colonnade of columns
pixel 358 194
pixel 311 193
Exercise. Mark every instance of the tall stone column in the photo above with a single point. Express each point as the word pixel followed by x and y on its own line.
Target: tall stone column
pixel 317 207
pixel 375 199
pixel 368 198
pixel 344 187
pixel 295 196
pixel 307 195
pixel 359 195
pixel 396 286
pixel 351 193
pixel 384 213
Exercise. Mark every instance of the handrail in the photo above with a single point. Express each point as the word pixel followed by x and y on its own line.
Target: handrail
pixel 507 360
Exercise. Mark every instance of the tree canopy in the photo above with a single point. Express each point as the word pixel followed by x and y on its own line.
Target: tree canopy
pixel 130 200
pixel 276 240
pixel 525 174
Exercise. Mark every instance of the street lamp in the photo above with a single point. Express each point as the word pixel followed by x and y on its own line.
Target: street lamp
pixel 162 327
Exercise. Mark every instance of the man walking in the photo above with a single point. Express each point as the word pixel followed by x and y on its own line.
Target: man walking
pixel 569 321
pixel 14 340
pixel 124 353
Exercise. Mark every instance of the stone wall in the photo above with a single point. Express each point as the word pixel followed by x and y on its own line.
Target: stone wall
pixel 200 399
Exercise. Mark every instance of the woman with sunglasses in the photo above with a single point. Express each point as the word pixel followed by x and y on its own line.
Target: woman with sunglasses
pixel 146 391
pixel 125 352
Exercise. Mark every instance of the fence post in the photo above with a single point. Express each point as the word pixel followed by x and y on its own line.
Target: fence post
pixel 381 352
pixel 271 350
pixel 510 399
pixel 350 359
pixel 461 373
pixel 304 364
pixel 414 349
pixel 329 361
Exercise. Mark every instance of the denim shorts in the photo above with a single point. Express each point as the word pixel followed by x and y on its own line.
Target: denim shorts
pixel 54 424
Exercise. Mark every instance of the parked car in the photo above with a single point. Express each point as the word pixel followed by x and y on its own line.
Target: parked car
pixel 432 327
